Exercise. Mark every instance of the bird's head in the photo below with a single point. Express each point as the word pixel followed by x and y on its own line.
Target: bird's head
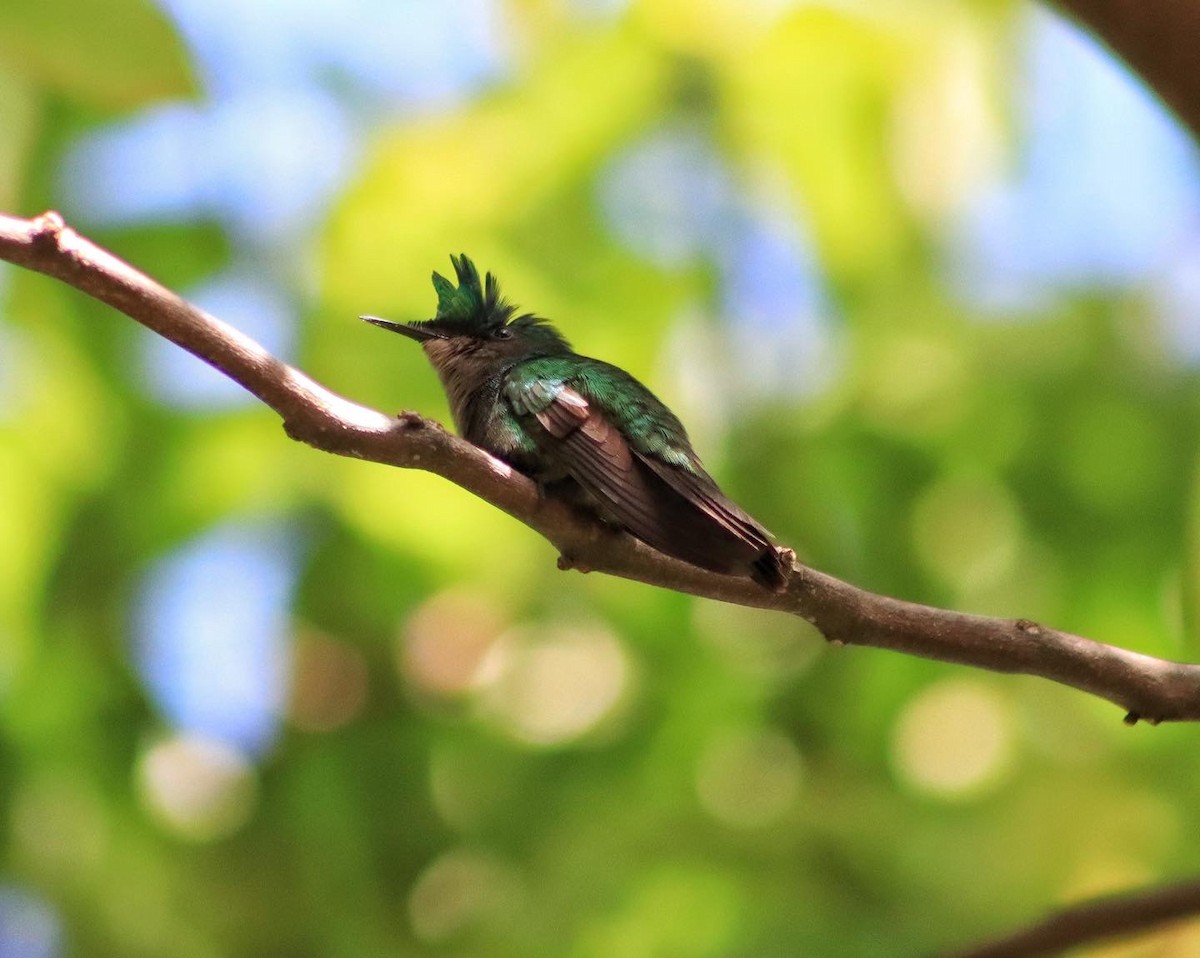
pixel 475 324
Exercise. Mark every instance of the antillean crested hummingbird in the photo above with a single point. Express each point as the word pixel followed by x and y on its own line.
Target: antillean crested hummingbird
pixel 583 429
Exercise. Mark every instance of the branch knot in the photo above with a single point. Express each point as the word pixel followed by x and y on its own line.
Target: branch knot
pixel 48 230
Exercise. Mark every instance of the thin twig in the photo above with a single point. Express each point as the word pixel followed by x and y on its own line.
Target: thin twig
pixel 1146 687
pixel 1109 917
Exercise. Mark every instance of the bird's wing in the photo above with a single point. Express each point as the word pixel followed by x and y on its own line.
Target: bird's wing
pixel 590 447
pixel 652 484
pixel 660 441
pixel 705 495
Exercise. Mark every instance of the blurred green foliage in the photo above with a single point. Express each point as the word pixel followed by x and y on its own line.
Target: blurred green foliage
pixel 484 757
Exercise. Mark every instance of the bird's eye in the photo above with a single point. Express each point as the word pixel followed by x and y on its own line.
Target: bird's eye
pixel 502 332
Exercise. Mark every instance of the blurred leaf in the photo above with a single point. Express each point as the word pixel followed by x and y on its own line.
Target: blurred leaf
pixel 177 255
pixel 837 70
pixel 108 53
pixel 443 185
pixel 20 115
pixel 28 527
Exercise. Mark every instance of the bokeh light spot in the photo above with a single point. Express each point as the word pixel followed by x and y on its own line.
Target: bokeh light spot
pixel 554 686
pixel 914 384
pixel 954 739
pixel 329 684
pixel 29 927
pixel 749 777
pixel 948 136
pixel 213 630
pixel 773 297
pixel 17 372
pixel 755 643
pixel 455 892
pixel 444 646
pixel 469 780
pixel 667 196
pixel 967 531
pixel 59 822
pixel 198 788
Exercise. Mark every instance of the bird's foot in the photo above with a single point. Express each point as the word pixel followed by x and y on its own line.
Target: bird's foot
pixel 773 568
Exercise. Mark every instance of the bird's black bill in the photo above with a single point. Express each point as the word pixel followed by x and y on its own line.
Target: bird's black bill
pixel 417 331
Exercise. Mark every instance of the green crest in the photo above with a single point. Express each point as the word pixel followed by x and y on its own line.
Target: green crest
pixel 471 302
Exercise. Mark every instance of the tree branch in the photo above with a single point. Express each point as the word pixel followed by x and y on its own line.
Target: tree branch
pixel 1159 39
pixel 1146 687
pixel 1109 917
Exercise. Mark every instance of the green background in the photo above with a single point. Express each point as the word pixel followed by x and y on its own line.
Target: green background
pixel 479 755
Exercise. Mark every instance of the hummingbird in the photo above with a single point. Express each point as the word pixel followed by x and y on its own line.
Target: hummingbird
pixel 583 429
